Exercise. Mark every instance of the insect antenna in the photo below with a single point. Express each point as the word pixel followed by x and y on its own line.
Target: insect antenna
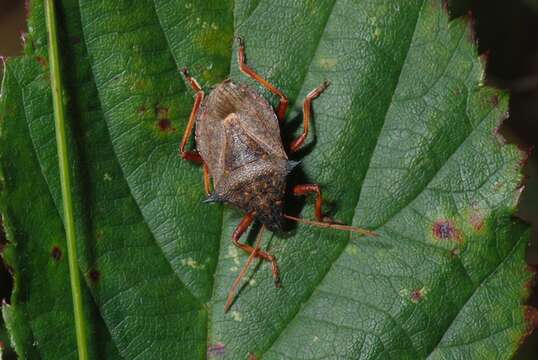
pixel 341 227
pixel 242 273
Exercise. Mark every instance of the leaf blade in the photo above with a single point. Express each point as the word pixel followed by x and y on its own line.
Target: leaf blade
pixel 150 289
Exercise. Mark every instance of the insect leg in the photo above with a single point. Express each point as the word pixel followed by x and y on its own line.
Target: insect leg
pixel 307 114
pixel 247 70
pixel 191 155
pixel 241 228
pixel 207 180
pixel 305 189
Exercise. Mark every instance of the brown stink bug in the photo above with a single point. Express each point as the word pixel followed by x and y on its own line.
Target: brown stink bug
pixel 238 142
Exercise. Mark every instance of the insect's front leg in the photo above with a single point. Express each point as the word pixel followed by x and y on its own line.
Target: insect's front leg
pixel 307 114
pixel 207 180
pixel 247 70
pixel 323 221
pixel 241 228
pixel 305 189
pixel 191 155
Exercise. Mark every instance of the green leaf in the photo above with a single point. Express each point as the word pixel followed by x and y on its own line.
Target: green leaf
pixel 404 142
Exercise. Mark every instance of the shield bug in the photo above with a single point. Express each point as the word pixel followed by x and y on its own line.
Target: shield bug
pixel 238 142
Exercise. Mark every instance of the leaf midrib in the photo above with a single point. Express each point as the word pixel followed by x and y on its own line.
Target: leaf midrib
pixel 37 159
pixel 116 161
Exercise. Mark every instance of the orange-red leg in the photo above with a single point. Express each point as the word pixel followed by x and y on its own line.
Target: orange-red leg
pixel 307 114
pixel 283 103
pixel 241 228
pixel 191 155
pixel 306 189
pixel 207 180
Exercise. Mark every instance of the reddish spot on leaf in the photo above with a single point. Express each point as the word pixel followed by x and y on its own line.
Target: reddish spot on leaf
pixel 95 275
pixel 142 110
pixel 165 125
pixel 477 220
pixel 75 40
pixel 56 253
pixel 531 318
pixel 216 350
pixel 530 314
pixel 445 230
pixel 416 295
pixel 526 153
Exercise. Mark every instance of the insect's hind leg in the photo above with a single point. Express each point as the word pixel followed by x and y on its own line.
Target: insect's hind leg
pixel 191 155
pixel 241 228
pixel 247 70
pixel 307 114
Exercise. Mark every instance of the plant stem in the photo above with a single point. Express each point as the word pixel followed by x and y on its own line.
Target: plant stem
pixel 61 142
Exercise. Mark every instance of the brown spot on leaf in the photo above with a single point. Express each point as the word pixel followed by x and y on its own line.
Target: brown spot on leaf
pixel 445 230
pixel 477 220
pixel 142 110
pixel 216 350
pixel 165 125
pixel 416 295
pixel 56 253
pixel 163 120
pixel 95 275
pixel 525 154
pixel 75 40
pixel 42 61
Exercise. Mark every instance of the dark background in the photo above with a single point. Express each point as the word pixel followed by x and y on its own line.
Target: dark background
pixel 506 30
